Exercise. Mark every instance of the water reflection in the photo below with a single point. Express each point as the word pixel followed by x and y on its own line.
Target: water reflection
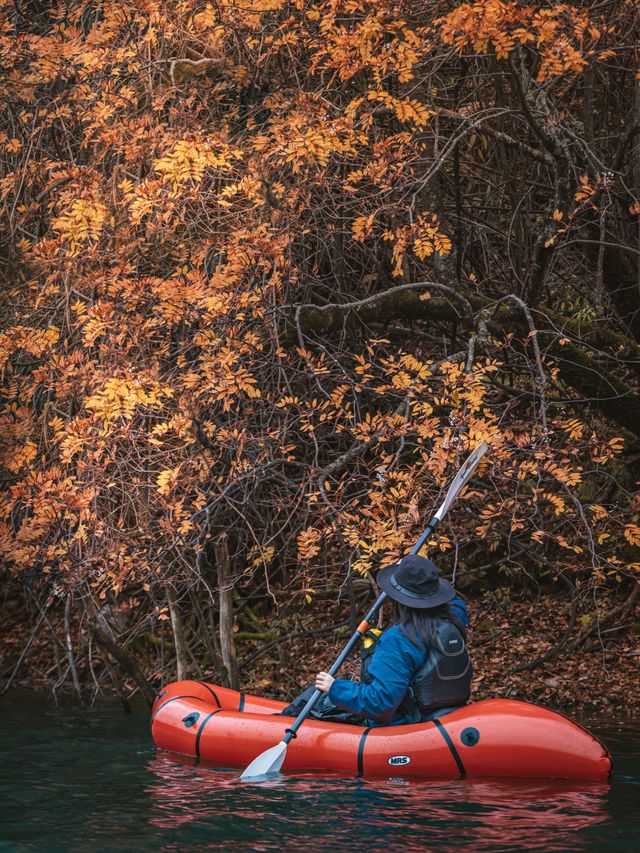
pixel 325 813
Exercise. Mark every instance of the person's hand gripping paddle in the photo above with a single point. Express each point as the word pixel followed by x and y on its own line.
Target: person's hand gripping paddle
pixel 272 759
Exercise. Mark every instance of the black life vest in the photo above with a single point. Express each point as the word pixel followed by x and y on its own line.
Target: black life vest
pixel 443 680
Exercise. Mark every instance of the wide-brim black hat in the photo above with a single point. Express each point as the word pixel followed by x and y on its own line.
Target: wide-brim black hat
pixel 415 582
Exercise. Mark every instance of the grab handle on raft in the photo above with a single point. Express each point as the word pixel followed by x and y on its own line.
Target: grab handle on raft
pixel 271 761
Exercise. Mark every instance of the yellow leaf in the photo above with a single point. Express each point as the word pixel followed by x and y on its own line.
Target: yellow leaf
pixel 308 546
pixel 167 479
pixel 361 227
pixel 26 454
pixel 632 534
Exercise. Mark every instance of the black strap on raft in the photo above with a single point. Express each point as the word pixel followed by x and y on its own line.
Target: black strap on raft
pixel 201 729
pixel 213 692
pixel 361 752
pixel 454 752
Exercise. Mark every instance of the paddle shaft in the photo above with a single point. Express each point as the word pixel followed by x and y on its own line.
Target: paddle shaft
pixel 361 630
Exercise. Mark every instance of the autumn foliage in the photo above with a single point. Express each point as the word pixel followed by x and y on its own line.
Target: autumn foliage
pixel 271 268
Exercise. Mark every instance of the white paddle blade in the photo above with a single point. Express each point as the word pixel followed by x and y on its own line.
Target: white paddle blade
pixel 463 476
pixel 267 762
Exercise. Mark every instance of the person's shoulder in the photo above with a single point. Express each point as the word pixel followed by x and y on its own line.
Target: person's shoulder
pixel 395 637
pixel 392 638
pixel 459 609
pixel 392 634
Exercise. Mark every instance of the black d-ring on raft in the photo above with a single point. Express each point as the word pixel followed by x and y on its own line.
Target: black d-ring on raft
pixel 191 719
pixel 470 736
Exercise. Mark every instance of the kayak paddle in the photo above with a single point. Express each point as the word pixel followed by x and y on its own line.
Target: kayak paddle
pixel 272 759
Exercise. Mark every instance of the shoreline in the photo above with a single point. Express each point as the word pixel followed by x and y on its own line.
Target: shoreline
pixel 506 632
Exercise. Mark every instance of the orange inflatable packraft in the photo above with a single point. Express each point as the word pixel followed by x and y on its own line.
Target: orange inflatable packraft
pixel 495 737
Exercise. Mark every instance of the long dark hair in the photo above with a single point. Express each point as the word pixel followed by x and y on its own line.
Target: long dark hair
pixel 418 624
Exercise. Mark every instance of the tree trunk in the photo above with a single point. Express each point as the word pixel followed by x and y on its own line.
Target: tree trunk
pixel 179 640
pixel 227 644
pixel 127 664
pixel 103 634
pixel 69 646
pixel 216 664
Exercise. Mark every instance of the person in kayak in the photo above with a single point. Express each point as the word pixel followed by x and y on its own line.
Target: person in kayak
pixel 420 665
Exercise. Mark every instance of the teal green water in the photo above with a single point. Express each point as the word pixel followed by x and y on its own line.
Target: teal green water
pixel 92 780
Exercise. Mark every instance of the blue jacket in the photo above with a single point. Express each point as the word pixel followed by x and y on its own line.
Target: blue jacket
pixel 394 664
